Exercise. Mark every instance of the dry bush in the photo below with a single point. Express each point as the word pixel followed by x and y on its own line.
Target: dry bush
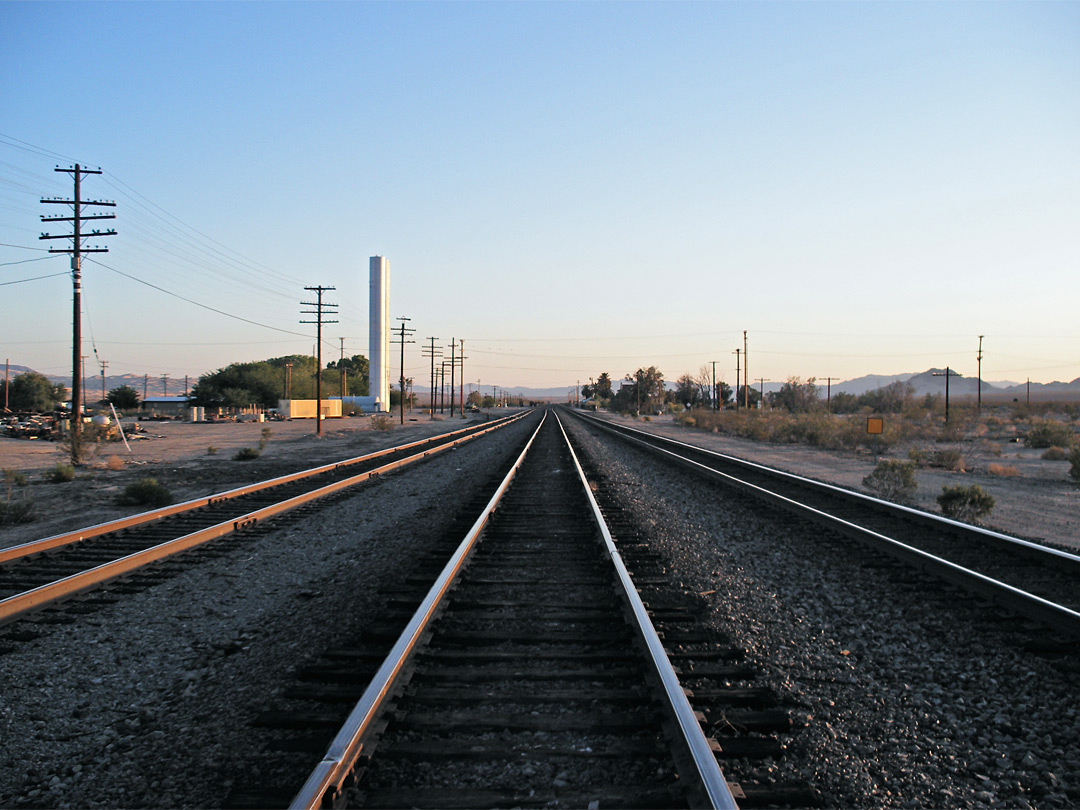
pixel 965 503
pixel 114 463
pixel 893 480
pixel 381 421
pixel 1004 470
pixel 1054 453
pixel 947 460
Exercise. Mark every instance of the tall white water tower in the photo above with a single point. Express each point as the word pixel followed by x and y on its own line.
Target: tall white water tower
pixel 379 333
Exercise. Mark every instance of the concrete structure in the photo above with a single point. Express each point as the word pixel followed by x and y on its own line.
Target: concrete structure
pixel 379 334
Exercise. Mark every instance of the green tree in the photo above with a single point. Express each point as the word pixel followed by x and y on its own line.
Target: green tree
pixel 124 397
pixel 356 374
pixel 796 396
pixel 642 392
pixel 31 391
pixel 889 398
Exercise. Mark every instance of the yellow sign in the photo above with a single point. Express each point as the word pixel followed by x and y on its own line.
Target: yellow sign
pixel 875 424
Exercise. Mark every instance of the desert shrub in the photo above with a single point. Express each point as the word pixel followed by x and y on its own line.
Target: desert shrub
pixel 211 450
pixel 965 503
pixel 266 434
pixel 114 463
pixel 1004 470
pixel 1049 434
pixel 15 510
pixel 1054 453
pixel 948 460
pixel 381 421
pixel 145 492
pixel 247 453
pixel 893 480
pixel 60 474
pixel 917 456
pixel 1074 463
pixel 646 418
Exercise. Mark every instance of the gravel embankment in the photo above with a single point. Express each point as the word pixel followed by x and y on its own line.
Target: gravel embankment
pixel 911 698
pixel 148 702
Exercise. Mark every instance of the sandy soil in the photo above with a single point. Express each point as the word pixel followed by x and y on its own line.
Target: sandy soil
pixel 178 455
pixel 1040 502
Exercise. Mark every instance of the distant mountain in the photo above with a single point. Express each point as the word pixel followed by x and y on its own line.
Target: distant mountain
pixel 153 386
pixel 871 382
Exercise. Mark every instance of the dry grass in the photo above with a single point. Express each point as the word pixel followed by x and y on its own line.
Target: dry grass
pixel 1004 470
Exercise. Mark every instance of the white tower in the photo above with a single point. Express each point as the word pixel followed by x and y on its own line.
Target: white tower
pixel 379 333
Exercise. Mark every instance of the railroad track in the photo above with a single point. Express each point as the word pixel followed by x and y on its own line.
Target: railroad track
pixel 41 573
pixel 1035 581
pixel 531 673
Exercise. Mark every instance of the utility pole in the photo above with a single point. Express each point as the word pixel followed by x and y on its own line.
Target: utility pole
pixel 402 340
pixel 432 351
pixel 979 358
pixel 828 394
pixel 746 370
pixel 319 321
pixel 164 385
pixel 341 368
pixel 185 385
pixel 461 380
pixel 948 372
pixel 104 363
pixel 763 381
pixel 145 385
pixel 7 369
pixel 287 393
pixel 453 367
pixel 738 354
pixel 715 391
pixel 1029 390
pixel 77 250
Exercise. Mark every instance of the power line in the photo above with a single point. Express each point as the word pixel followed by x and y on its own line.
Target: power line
pixel 196 303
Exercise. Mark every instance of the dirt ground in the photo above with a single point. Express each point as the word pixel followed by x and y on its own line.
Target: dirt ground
pixel 191 459
pixel 1039 502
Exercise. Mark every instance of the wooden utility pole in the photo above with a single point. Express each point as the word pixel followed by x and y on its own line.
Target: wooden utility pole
pixel 341 368
pixel 978 357
pixel 828 394
pixel 77 250
pixel 746 370
pixel 402 340
pixel 104 363
pixel 738 371
pixel 453 368
pixel 318 312
pixel 432 351
pixel 461 379
pixel 948 372
pixel 762 380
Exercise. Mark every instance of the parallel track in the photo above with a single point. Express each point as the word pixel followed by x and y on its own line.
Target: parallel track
pixel 1035 581
pixel 37 574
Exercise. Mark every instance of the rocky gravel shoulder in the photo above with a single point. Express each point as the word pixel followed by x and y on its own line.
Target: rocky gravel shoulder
pixel 911 698
pixel 148 702
pixel 1039 502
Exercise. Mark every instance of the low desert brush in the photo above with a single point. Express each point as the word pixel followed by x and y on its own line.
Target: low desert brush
pixel 1004 470
pixel 60 474
pixel 965 503
pixel 145 492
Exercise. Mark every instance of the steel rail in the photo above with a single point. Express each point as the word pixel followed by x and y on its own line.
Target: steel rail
pixel 887 506
pixel 17 606
pixel 1057 616
pixel 68 538
pixel 323 786
pixel 701 750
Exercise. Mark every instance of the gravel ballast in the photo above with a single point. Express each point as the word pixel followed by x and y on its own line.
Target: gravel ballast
pixel 148 702
pixel 912 696
pixel 908 699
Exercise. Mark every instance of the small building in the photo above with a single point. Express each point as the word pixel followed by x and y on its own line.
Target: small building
pixel 305 408
pixel 165 406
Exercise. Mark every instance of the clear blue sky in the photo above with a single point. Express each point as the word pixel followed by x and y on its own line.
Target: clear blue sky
pixel 570 187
